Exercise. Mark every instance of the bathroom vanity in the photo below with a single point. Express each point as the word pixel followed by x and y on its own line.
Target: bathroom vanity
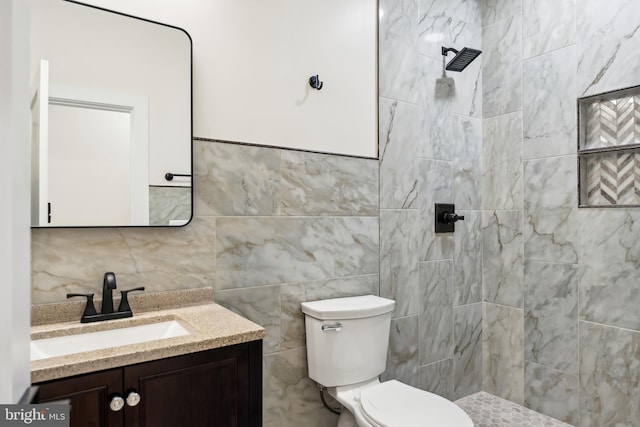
pixel 211 376
pixel 211 388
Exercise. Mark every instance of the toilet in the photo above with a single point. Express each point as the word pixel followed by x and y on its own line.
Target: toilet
pixel 347 342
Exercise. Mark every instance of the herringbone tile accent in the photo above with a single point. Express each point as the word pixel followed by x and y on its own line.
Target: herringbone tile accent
pixel 593 181
pixel 626 179
pixel 609 179
pixel 612 122
pixel 612 178
pixel 592 137
pixel 625 121
pixel 608 123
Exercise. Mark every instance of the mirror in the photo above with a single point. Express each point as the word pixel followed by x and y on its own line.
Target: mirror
pixel 111 119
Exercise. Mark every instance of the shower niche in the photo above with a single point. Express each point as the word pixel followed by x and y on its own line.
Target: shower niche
pixel 609 149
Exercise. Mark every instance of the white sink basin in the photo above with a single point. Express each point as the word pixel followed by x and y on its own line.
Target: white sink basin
pixel 71 344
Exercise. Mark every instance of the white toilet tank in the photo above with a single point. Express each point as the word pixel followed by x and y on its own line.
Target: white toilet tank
pixel 347 338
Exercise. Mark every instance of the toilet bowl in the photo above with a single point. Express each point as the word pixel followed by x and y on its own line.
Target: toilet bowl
pixel 347 342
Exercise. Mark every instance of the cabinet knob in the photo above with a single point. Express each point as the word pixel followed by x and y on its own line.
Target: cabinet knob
pixel 116 404
pixel 133 399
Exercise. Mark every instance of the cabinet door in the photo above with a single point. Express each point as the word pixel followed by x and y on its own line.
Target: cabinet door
pixel 205 389
pixel 89 395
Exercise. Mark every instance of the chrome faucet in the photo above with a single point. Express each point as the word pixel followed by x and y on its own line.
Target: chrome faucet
pixel 107 312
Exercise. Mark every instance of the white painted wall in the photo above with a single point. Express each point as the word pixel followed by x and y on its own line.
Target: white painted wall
pixel 253 59
pixel 15 281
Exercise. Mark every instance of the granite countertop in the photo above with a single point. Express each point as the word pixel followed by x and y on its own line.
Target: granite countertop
pixel 210 326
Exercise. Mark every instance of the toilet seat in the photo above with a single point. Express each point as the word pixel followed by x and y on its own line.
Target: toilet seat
pixel 394 404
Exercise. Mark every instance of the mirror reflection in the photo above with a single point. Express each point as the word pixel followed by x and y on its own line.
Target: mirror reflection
pixel 111 117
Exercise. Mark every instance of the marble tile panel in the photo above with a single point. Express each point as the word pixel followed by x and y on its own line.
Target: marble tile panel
pixel 403 357
pixel 437 96
pixel 467 162
pixel 549 115
pixel 550 392
pixel 286 388
pixel 608 41
pixel 399 278
pixel 435 187
pixel 550 209
pixel 268 250
pixel 502 254
pixel 167 203
pixel 184 258
pixel 436 311
pixel 551 315
pixel 437 28
pixel 502 357
pixel 467 259
pixel 449 23
pixel 502 162
pixel 609 255
pixel 398 66
pixel 470 11
pixel 502 67
pixel 234 179
pixel 468 83
pixel 260 305
pixel 292 295
pixel 398 21
pixel 467 355
pixel 609 376
pixel 75 260
pixel 323 184
pixel 497 10
pixel 547 25
pixel 356 247
pixel 398 71
pixel 437 378
pixel 399 129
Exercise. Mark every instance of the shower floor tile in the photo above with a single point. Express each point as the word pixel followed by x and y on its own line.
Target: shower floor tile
pixel 487 410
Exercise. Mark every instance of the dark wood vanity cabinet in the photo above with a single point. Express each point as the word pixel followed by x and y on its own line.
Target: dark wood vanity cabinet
pixel 213 388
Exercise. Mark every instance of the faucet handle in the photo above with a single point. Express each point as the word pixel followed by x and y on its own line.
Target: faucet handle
pixel 124 302
pixel 89 309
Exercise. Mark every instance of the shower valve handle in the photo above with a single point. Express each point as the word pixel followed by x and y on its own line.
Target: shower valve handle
pixel 452 217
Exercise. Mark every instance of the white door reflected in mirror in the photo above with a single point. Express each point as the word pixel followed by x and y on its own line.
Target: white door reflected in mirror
pixel 94 144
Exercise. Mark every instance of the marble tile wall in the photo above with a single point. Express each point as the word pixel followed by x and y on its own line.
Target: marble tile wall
pixel 566 291
pixel 272 228
pixel 431 152
pixel 169 203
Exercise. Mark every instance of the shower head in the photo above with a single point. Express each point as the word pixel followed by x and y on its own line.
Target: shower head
pixel 462 58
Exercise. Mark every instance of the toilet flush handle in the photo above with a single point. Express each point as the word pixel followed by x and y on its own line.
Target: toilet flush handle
pixel 332 328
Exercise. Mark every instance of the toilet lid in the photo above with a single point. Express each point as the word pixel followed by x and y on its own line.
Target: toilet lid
pixel 394 404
